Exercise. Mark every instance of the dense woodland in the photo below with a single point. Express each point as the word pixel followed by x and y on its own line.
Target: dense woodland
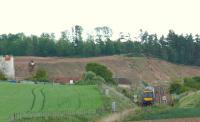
pixel 181 49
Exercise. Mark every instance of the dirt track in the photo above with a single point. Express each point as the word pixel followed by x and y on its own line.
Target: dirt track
pixel 116 117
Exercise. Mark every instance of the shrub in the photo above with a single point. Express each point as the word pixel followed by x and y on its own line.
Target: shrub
pixel 125 92
pixel 177 88
pixel 196 78
pixel 99 79
pixel 89 75
pixel 2 76
pixel 41 75
pixel 101 70
pixel 90 78
pixel 192 83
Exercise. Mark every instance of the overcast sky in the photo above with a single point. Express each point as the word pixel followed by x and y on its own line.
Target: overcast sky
pixel 155 16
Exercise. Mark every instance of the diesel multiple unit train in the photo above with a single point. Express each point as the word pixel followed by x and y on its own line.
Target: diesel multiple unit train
pixel 148 96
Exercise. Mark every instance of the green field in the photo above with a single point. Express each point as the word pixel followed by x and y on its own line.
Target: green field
pixel 47 98
pixel 157 113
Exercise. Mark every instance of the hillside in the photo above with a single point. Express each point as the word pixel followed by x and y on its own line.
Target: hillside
pixel 132 68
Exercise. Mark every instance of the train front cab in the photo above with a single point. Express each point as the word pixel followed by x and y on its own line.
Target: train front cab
pixel 148 98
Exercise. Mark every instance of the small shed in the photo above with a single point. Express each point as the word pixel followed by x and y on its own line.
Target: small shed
pixel 123 82
pixel 66 80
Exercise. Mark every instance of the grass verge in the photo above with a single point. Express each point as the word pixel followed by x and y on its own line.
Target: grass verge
pixel 157 113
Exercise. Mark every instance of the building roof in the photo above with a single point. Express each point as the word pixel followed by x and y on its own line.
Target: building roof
pixel 7 57
pixel 123 81
pixel 65 79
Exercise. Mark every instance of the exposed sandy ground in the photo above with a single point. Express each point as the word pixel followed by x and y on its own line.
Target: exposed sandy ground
pixel 134 69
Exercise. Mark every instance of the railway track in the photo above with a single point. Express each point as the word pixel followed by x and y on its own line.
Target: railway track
pixel 162 95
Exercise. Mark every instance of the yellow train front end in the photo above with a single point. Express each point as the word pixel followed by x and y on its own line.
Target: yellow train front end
pixel 148 97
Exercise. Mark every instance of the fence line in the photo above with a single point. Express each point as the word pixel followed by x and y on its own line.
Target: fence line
pixel 44 115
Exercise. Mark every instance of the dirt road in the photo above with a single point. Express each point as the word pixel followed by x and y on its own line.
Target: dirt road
pixel 116 117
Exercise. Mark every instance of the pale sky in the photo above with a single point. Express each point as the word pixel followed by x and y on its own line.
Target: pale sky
pixel 155 16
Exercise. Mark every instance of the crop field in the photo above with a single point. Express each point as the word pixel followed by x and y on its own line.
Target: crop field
pixel 47 98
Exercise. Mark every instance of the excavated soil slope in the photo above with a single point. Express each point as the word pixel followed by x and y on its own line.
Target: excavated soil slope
pixel 134 68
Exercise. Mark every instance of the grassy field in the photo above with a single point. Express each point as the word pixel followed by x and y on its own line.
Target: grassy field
pixel 47 98
pixel 157 113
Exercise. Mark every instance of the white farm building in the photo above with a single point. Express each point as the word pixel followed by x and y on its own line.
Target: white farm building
pixel 7 66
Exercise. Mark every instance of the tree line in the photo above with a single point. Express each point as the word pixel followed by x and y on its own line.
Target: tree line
pixel 176 48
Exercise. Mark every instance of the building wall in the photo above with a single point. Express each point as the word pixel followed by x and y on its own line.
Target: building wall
pixel 124 86
pixel 7 67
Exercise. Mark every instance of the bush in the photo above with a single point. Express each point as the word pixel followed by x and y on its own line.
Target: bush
pixel 2 76
pixel 196 78
pixel 99 79
pixel 90 78
pixel 89 75
pixel 125 92
pixel 192 83
pixel 177 88
pixel 41 75
pixel 101 70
